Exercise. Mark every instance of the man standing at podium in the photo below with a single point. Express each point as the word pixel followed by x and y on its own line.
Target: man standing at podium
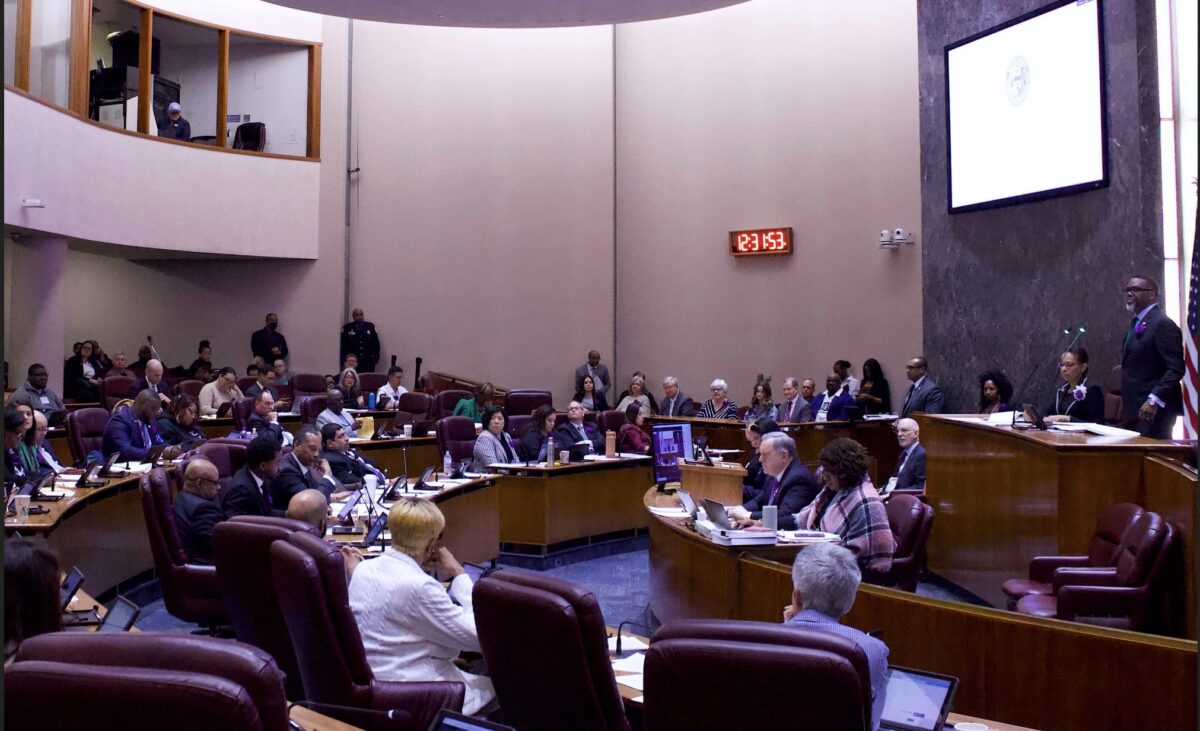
pixel 1151 363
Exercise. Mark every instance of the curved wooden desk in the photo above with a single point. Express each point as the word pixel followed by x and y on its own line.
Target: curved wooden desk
pixel 1038 673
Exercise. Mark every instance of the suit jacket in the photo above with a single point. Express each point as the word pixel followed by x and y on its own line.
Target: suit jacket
pixel 795 489
pixel 489 450
pixel 754 479
pixel 346 468
pixel 259 425
pixel 928 399
pixel 532 444
pixel 124 434
pixel 195 519
pixel 245 498
pixel 1152 363
pixel 682 406
pixel 911 475
pixel 291 480
pixel 263 340
pixel 801 411
pixel 566 436
pixel 143 384
pixel 601 371
pixel 1091 408
pixel 837 409
pixel 173 433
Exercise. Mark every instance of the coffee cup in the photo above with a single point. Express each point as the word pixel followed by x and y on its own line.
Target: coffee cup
pixel 564 456
pixel 408 430
pixel 21 505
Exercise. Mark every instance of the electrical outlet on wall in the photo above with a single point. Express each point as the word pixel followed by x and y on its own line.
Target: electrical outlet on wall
pixel 293 136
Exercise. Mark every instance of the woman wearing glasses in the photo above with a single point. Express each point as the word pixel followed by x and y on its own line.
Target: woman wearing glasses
pixel 719 406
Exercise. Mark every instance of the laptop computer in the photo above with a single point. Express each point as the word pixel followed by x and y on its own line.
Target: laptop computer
pixel 451 721
pixel 120 617
pixel 916 700
pixel 716 513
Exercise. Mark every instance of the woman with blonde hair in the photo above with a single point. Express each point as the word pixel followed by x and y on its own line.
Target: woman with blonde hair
pixel 411 627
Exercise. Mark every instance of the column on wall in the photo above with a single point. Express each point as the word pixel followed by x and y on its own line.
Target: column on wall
pixel 38 324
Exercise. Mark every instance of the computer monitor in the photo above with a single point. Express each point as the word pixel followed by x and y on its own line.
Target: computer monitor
pixel 669 442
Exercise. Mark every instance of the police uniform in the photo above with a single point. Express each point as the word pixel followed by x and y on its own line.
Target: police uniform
pixel 361 339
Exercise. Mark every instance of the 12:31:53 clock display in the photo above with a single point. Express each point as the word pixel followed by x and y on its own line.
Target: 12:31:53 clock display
pixel 760 241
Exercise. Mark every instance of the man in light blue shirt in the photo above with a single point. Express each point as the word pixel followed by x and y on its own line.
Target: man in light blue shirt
pixel 825 578
pixel 334 414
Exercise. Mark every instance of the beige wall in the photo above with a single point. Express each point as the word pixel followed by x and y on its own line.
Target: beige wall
pixel 772 113
pixel 482 231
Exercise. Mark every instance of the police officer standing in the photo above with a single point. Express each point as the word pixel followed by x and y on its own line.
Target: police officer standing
pixel 361 338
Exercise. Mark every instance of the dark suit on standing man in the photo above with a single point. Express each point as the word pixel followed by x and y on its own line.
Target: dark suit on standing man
pixel 1152 363
pixel 923 397
pixel 794 489
pixel 244 497
pixel 681 405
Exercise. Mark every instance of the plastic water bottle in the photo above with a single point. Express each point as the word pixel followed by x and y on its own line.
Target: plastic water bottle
pixel 549 451
pixel 446 468
pixel 371 401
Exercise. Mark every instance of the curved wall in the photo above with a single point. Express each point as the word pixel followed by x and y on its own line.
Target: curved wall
pixel 103 185
pixel 252 16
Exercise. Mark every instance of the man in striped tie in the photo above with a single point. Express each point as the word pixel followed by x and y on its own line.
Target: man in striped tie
pixel 1151 363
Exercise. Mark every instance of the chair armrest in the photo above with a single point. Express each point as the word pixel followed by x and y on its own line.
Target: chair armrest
pixel 200 577
pixel 1042 568
pixel 1098 601
pixel 1084 577
pixel 422 700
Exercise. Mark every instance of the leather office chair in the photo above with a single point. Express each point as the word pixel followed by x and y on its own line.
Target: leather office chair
pixel 311 407
pixel 308 384
pixel 250 136
pixel 190 591
pixel 1127 595
pixel 445 401
pixel 456 435
pixel 412 407
pixel 1113 523
pixel 228 457
pixel 558 677
pixel 85 432
pixel 610 420
pixel 371 382
pixel 524 402
pixel 190 386
pixel 1112 397
pixel 241 411
pixel 517 424
pixel 130 680
pixel 246 382
pixel 329 649
pixel 115 388
pixel 818 680
pixel 591 417
pixel 560 418
pixel 242 554
pixel 910 521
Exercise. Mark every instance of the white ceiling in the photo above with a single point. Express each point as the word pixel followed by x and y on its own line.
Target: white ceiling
pixel 507 13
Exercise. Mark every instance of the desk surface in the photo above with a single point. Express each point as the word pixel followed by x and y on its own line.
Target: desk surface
pixel 1065 440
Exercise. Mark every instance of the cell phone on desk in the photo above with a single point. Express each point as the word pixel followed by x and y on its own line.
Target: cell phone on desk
pixel 344 530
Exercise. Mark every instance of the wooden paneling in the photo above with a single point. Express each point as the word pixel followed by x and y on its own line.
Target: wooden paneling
pixel 24 37
pixel 1038 673
pixel 715 483
pixel 472 522
pixel 389 454
pixel 1002 497
pixel 548 506
pixel 80 47
pixel 145 92
pixel 314 101
pixel 222 87
pixel 1169 489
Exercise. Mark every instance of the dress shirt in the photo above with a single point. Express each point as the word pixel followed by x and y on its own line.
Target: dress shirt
pixel 342 419
pixel 392 395
pixel 854 384
pixel 874 648
pixel 823 414
pixel 411 628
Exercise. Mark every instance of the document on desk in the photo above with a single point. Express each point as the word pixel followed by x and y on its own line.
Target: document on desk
pixel 635 663
pixel 670 512
pixel 637 682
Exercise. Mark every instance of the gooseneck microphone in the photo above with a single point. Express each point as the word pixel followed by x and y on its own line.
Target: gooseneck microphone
pixel 1019 395
pixel 392 714
pixel 617 649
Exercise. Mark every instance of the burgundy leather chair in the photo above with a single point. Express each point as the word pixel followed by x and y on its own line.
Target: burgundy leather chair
pixel 445 401
pixel 910 521
pixel 191 387
pixel 456 435
pixel 242 554
pixel 523 402
pixel 85 432
pixel 517 424
pixel 311 407
pixel 411 408
pixel 819 680
pixel 141 679
pixel 1127 595
pixel 1112 396
pixel 308 384
pixel 242 409
pixel 115 388
pixel 560 418
pixel 610 420
pixel 190 591
pixel 246 382
pixel 558 677
pixel 329 650
pixel 226 456
pixel 371 382
pixel 1113 523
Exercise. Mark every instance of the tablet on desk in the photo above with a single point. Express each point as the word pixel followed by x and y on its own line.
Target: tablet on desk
pixel 120 617
pixel 916 700
pixel 451 721
pixel 71 585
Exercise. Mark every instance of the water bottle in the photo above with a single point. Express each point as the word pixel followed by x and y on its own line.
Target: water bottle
pixel 371 401
pixel 446 468
pixel 549 451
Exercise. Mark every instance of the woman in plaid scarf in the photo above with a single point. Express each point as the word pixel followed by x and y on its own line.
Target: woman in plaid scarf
pixel 849 506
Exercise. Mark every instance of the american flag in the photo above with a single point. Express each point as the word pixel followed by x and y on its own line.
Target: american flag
pixel 1191 384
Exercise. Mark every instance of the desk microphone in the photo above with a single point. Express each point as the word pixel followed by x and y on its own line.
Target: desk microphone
pixel 1019 394
pixel 392 714
pixel 617 650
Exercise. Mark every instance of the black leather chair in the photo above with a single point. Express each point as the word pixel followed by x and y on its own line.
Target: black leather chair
pixel 250 136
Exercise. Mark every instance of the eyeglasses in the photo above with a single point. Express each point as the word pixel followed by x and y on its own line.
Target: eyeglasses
pixel 914 367
pixel 715 389
pixel 208 480
pixel 1131 290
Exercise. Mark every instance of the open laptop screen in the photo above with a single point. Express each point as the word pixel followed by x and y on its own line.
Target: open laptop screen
pixel 916 700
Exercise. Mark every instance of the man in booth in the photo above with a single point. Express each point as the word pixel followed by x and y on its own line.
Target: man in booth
pixel 176 128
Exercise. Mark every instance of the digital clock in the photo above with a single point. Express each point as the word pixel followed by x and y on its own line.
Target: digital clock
pixel 760 241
